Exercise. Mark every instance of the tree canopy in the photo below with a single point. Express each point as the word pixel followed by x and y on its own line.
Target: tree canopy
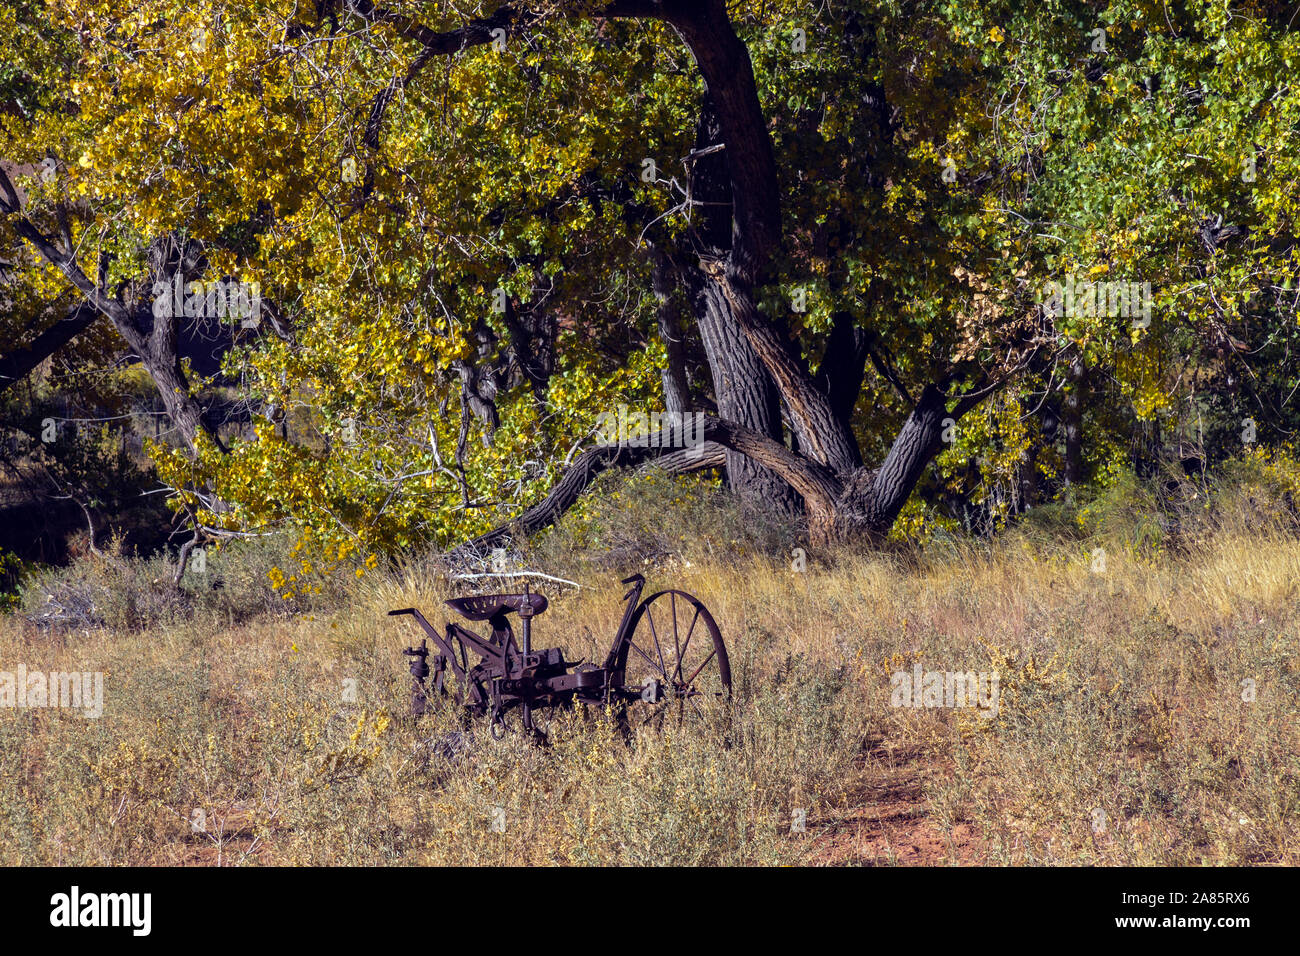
pixel 1035 242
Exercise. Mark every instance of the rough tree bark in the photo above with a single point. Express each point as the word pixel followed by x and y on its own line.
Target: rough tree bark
pixel 742 387
pixel 871 500
pixel 728 75
pixel 677 390
pixel 744 393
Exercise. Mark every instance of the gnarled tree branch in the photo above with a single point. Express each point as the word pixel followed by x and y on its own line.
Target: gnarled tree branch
pixel 817 484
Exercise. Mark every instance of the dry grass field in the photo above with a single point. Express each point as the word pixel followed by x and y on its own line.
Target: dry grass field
pixel 1149 706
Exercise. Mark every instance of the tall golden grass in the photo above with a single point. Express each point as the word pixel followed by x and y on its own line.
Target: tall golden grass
pixel 1149 714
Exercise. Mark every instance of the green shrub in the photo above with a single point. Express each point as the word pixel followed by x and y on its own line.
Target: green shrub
pixel 11 573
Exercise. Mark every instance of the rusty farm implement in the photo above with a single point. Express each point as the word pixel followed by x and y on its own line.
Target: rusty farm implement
pixel 667 662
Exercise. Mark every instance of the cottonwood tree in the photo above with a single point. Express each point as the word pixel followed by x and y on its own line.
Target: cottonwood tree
pixel 828 228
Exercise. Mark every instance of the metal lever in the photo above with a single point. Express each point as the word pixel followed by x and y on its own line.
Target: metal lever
pixel 419 672
pixel 526 625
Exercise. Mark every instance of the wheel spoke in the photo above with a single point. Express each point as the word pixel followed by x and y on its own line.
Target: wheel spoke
pixel 678 703
pixel 644 656
pixel 655 634
pixel 677 643
pixel 713 653
pixel 682 653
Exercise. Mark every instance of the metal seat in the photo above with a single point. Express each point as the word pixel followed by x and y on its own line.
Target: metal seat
pixel 484 607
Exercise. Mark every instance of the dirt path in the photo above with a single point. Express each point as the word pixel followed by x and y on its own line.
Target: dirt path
pixel 890 822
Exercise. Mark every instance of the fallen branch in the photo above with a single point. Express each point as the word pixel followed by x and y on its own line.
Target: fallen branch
pixel 819 486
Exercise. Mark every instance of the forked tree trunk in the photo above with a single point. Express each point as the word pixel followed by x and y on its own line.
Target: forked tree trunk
pixel 742 387
pixel 745 395
pixel 872 498
pixel 862 508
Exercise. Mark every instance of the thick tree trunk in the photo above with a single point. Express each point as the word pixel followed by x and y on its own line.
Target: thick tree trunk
pixel 742 387
pixel 822 434
pixel 745 395
pixel 677 392
pixel 736 260
pixel 873 498
pixel 181 407
pixel 729 77
pixel 863 507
